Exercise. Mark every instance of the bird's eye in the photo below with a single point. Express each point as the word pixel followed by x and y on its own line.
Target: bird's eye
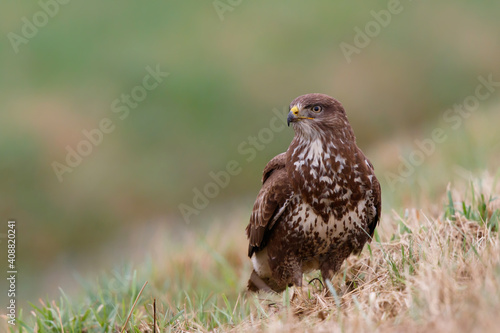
pixel 317 108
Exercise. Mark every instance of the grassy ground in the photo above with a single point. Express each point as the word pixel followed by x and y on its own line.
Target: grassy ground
pixel 434 264
pixel 225 73
pixel 226 78
pixel 432 269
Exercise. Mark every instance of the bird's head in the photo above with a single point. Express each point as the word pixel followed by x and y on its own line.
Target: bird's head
pixel 313 113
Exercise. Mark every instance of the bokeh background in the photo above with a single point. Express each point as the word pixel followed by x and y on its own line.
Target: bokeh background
pixel 227 73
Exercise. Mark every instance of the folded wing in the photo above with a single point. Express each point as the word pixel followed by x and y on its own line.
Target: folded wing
pixel 270 203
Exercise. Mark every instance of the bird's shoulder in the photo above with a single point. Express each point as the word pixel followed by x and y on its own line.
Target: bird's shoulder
pixel 276 163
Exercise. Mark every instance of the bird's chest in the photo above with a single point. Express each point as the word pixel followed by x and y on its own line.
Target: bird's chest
pixel 326 178
pixel 330 202
pixel 321 168
pixel 314 234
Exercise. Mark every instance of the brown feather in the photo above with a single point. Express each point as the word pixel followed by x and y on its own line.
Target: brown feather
pixel 320 201
pixel 272 197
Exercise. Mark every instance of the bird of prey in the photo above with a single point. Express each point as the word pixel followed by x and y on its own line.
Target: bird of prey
pixel 319 201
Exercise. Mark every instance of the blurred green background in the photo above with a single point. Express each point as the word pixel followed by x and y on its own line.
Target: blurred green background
pixel 226 76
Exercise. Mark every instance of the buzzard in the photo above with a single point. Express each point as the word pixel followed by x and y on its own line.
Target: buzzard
pixel 319 201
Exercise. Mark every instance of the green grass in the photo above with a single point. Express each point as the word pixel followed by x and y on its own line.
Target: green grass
pixel 437 272
pixel 477 209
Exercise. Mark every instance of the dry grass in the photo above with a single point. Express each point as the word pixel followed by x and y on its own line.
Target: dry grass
pixel 433 269
pixel 423 273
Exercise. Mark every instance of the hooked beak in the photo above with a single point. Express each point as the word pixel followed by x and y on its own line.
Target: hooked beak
pixel 293 116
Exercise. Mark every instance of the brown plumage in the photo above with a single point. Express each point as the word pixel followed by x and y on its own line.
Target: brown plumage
pixel 319 201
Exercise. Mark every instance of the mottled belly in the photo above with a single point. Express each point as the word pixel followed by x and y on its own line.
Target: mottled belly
pixel 315 237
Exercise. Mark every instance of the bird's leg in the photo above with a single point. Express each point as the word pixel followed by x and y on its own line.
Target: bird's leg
pixel 327 273
pixel 297 276
pixel 297 281
pixel 328 270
